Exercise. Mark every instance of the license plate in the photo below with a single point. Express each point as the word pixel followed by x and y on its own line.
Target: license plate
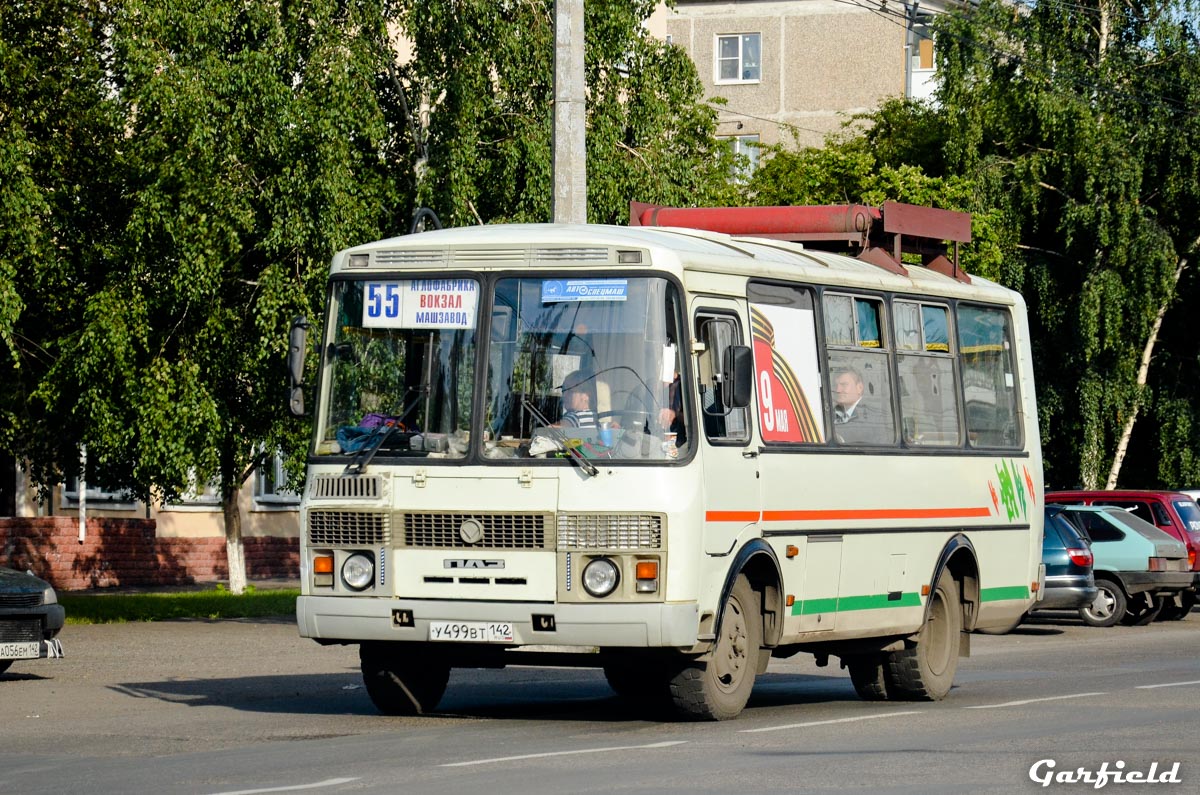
pixel 471 631
pixel 20 651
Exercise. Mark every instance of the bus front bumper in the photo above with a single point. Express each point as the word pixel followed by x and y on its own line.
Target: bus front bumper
pixel 356 619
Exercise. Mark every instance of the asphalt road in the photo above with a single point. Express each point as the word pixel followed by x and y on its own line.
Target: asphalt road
pixel 247 707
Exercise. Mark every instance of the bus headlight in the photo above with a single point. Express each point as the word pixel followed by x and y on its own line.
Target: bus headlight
pixel 358 572
pixel 600 577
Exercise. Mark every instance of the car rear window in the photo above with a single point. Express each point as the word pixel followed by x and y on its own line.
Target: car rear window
pixel 1139 509
pixel 1189 512
pixel 1099 527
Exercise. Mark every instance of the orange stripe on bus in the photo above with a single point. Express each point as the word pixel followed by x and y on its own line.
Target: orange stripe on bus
pixel 731 516
pixel 844 514
pixel 877 513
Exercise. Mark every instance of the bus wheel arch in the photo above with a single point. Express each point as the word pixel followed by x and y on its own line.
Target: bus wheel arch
pixel 758 563
pixel 959 558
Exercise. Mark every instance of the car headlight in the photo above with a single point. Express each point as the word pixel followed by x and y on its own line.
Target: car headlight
pixel 600 577
pixel 358 572
pixel 49 597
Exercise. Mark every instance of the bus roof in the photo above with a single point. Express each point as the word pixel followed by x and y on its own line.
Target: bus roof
pixel 506 246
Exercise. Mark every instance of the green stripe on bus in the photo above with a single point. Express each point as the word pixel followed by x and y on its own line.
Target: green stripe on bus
pixel 847 603
pixel 1007 592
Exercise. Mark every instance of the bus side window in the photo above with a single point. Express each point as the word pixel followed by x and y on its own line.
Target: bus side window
pixel 989 384
pixel 859 384
pixel 718 332
pixel 927 390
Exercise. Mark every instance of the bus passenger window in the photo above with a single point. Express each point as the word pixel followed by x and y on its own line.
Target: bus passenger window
pixel 859 385
pixel 928 395
pixel 989 383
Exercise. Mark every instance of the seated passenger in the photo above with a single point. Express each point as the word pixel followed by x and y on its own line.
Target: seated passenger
pixel 577 400
pixel 853 421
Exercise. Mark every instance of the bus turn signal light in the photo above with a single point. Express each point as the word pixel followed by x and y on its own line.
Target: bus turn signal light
pixel 323 571
pixel 647 576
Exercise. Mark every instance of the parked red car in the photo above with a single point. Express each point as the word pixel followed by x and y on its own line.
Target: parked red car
pixel 1173 512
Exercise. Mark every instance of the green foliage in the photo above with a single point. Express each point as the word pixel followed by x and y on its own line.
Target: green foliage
pixel 101 608
pixel 1078 138
pixel 487 71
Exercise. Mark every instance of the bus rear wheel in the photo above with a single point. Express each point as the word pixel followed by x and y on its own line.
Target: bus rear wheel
pixel 925 671
pixel 718 688
pixel 868 674
pixel 401 681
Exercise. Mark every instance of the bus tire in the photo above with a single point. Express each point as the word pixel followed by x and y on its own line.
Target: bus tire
pixel 718 688
pixel 1108 608
pixel 868 676
pixel 400 682
pixel 925 671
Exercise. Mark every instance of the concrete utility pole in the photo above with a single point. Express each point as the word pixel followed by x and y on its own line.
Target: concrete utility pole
pixel 569 205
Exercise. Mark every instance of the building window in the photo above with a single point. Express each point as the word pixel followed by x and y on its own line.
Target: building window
pixel 739 58
pixel 206 496
pixel 745 149
pixel 269 482
pixel 99 497
pixel 922 73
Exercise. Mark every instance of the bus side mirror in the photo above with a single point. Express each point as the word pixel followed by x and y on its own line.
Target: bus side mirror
pixel 297 342
pixel 737 382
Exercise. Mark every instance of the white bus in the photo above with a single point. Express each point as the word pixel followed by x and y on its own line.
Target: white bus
pixel 670 453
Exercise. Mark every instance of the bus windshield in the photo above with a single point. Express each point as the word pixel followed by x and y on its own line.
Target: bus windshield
pixel 575 367
pixel 584 363
pixel 401 367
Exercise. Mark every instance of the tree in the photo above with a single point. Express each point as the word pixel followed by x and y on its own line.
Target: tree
pixel 252 141
pixel 891 154
pixel 485 70
pixel 1080 113
pixel 59 203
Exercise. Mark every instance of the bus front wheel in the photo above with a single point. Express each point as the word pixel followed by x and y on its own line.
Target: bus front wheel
pixel 718 688
pixel 925 671
pixel 400 681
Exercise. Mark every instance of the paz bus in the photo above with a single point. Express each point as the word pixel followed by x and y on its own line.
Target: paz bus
pixel 794 429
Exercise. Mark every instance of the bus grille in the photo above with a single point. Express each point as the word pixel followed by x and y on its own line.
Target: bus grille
pixel 499 530
pixel 336 487
pixel 609 531
pixel 347 528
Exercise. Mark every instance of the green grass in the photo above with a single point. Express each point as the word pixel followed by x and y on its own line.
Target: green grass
pixel 214 604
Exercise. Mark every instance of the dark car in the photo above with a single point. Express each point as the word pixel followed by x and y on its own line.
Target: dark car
pixel 1138 567
pixel 1067 555
pixel 30 619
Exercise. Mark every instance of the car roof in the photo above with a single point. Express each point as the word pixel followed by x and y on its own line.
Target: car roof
pixel 1107 494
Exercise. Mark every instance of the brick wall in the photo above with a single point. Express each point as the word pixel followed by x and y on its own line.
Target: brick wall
pixel 125 552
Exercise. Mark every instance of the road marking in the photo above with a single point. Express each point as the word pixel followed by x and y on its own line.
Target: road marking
pixel 828 722
pixel 1033 701
pixel 564 753
pixel 1167 684
pixel 332 782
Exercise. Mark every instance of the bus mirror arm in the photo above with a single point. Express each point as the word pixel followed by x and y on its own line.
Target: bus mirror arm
pixel 297 344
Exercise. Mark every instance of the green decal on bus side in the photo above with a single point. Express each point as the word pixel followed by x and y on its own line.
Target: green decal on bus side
pixel 1007 592
pixel 847 603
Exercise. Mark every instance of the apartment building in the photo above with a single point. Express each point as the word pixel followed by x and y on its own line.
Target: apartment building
pixel 791 73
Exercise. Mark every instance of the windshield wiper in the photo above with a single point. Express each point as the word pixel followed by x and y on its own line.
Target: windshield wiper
pixel 368 452
pixel 561 438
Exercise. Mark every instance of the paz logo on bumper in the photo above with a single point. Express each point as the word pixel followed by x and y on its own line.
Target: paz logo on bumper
pixel 472 563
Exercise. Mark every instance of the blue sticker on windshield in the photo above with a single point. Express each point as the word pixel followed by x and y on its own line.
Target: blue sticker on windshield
pixel 559 290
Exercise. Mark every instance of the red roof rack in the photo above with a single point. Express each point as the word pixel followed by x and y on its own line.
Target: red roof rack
pixel 878 235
